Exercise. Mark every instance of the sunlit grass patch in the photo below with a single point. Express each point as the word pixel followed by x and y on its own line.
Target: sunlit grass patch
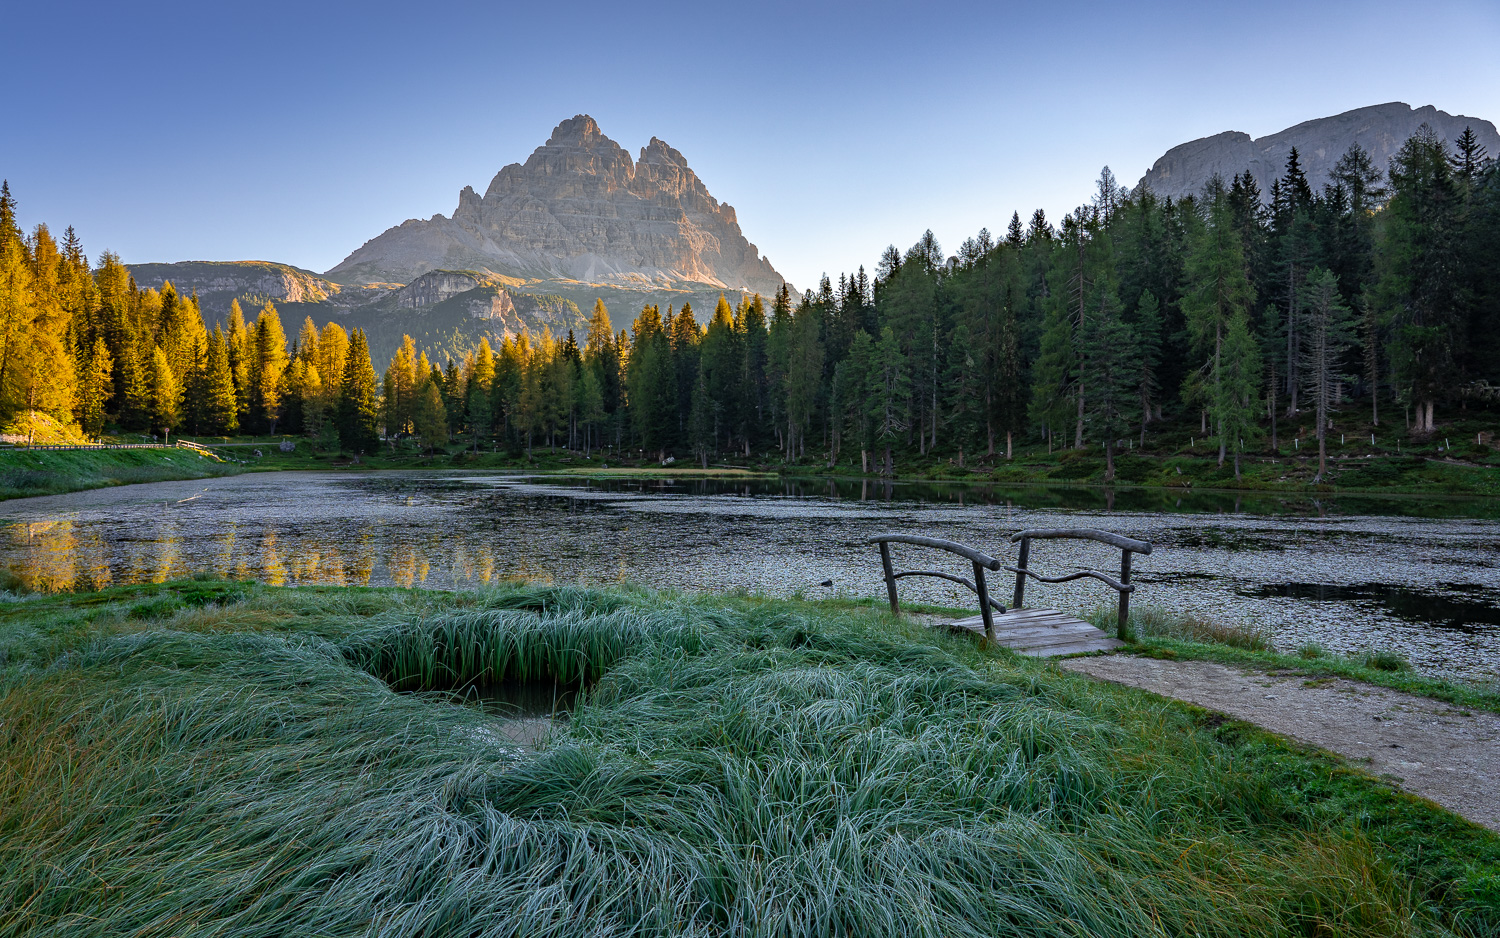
pixel 736 766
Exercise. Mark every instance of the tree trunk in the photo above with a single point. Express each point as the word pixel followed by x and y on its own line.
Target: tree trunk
pixel 1109 460
pixel 1007 444
pixel 1078 429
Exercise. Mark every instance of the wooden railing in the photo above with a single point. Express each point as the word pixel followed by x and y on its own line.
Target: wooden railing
pixel 981 561
pixel 1127 545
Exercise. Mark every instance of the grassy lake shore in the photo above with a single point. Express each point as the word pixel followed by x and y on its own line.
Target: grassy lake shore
pixel 228 757
pixel 25 473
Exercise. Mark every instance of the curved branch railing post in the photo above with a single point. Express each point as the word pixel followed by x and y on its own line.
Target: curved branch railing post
pixel 981 561
pixel 1127 545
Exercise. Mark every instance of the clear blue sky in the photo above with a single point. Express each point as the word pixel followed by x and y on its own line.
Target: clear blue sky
pixel 295 132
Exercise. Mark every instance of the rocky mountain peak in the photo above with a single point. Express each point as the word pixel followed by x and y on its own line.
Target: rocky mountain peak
pixel 578 131
pixel 579 208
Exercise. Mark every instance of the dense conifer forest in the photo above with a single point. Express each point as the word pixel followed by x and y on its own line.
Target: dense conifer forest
pixel 1234 308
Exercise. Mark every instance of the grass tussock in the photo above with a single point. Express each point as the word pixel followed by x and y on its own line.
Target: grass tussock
pixel 737 766
pixel 1158 622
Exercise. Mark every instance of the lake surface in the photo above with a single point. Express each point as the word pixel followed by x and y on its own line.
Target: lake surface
pixel 1420 576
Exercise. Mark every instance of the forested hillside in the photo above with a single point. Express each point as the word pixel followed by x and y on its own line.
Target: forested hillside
pixel 1377 293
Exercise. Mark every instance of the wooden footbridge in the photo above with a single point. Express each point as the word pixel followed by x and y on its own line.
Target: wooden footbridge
pixel 1036 632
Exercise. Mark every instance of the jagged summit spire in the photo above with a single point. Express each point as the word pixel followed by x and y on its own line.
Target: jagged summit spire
pixel 579 209
pixel 579 130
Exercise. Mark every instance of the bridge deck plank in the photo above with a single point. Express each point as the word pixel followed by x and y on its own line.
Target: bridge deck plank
pixel 1041 633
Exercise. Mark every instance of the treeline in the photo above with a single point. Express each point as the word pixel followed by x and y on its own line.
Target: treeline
pixel 88 348
pixel 1236 309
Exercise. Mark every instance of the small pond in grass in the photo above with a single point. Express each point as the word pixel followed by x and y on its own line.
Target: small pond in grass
pixel 1420 576
pixel 524 713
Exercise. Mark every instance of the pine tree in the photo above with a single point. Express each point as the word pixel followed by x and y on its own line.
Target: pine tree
pixel 240 351
pixel 358 409
pixel 479 390
pixel 701 420
pixel 964 378
pixel 652 383
pixel 1235 406
pixel 1297 247
pixel 804 379
pixel 195 388
pixel 1330 332
pixel 94 393
pixel 851 389
pixel 889 396
pixel 755 403
pixel 721 368
pixel 590 406
pixel 1008 406
pixel 1111 368
pixel 1014 235
pixel 429 416
pixel 220 409
pixel 1417 288
pixel 135 396
pixel 401 378
pixel 1469 156
pixel 166 395
pixel 9 230
pixel 268 362
pixel 1147 332
pixel 1218 291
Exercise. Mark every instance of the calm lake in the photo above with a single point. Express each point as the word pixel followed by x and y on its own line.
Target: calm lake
pixel 1417 575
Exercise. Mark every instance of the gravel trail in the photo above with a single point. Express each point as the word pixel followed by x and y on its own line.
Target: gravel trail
pixel 1440 752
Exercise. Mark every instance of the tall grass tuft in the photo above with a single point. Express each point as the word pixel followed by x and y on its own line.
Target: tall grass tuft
pixel 459 649
pixel 1164 623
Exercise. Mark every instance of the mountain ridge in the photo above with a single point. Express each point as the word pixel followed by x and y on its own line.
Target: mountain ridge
pixel 1381 129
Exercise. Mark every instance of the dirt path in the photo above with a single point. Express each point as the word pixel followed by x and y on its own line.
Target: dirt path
pixel 1441 752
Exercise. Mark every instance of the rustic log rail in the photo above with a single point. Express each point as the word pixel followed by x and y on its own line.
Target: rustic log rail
pixel 1127 545
pixel 981 561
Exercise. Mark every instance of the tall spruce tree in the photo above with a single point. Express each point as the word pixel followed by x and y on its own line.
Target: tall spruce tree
pixel 1330 333
pixel 1218 291
pixel 358 406
pixel 1417 261
pixel 166 395
pixel 1236 409
pixel 94 389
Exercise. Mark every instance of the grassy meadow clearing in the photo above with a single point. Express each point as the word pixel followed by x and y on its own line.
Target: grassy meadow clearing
pixel 26 472
pixel 210 757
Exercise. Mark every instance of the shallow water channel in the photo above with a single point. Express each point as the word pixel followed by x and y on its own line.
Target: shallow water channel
pixel 1421 576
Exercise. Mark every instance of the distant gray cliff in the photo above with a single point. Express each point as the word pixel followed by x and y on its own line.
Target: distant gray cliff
pixel 1380 129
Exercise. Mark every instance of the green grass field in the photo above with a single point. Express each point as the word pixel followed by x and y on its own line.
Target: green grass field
pixel 224 758
pixel 26 472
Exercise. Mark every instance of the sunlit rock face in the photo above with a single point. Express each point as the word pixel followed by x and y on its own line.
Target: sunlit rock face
pixel 578 209
pixel 1381 130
